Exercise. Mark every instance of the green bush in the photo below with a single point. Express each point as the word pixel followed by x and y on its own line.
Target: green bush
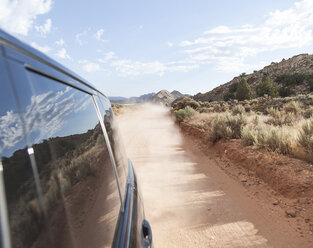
pixel 184 113
pixel 285 91
pixel 243 91
pixel 291 79
pixel 226 126
pixel 305 138
pixel 231 94
pixel 267 87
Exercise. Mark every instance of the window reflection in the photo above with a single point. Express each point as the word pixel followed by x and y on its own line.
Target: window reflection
pixel 116 142
pixel 79 191
pixel 25 215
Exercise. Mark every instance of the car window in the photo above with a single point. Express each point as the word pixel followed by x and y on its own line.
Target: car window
pixel 115 140
pixel 79 190
pixel 24 212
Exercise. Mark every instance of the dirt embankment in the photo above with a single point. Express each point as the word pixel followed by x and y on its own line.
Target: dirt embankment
pixel 290 180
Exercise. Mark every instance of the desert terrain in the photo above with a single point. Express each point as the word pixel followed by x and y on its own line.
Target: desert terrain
pixel 196 196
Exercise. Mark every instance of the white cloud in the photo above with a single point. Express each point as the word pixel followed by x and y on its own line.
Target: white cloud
pixel 107 57
pixel 90 66
pixel 62 53
pixel 18 16
pixel 99 35
pixel 60 42
pixel 130 68
pixel 12 131
pixel 79 37
pixel 43 49
pixel 45 28
pixel 170 44
pixel 230 47
pixel 44 116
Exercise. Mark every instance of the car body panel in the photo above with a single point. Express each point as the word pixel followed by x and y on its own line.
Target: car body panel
pixel 30 76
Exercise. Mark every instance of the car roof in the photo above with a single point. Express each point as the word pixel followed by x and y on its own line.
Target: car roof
pixel 11 41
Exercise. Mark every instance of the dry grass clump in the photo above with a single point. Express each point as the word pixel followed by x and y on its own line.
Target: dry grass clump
pixel 202 120
pixel 305 138
pixel 184 113
pixel 271 138
pixel 238 109
pixel 292 107
pixel 226 126
pixel 308 113
pixel 280 118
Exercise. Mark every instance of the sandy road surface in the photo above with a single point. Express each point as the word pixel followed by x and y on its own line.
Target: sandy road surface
pixel 188 200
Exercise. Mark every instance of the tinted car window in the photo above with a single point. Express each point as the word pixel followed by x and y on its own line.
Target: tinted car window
pixel 115 140
pixel 79 189
pixel 25 215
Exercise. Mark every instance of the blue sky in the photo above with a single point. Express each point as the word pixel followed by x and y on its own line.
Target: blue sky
pixel 129 48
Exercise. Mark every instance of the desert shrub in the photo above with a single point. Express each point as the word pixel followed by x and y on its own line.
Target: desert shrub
pixel 256 120
pixel 249 136
pixel 274 139
pixel 226 126
pixel 78 169
pixel 305 138
pixel 224 107
pixel 309 80
pixel 184 113
pixel 217 108
pixel 280 118
pixel 271 138
pixel 183 103
pixel 308 113
pixel 243 91
pixel 285 91
pixel 100 139
pixel 238 109
pixel 267 87
pixel 292 107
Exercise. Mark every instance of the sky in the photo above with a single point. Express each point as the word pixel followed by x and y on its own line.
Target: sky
pixel 129 48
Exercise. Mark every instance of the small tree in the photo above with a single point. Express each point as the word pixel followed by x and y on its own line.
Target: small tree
pixel 231 92
pixel 267 87
pixel 243 90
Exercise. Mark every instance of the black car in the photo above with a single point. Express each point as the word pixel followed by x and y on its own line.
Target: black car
pixel 65 179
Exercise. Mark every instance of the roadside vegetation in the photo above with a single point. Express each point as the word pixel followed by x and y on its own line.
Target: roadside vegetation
pixel 283 125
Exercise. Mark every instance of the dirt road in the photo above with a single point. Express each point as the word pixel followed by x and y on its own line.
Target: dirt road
pixel 189 200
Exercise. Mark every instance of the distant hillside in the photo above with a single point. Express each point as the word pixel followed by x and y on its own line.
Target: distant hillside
pixel 142 98
pixel 162 96
pixel 117 98
pixel 302 64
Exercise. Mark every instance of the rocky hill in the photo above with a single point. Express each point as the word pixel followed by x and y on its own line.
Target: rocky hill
pixel 302 63
pixel 164 97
